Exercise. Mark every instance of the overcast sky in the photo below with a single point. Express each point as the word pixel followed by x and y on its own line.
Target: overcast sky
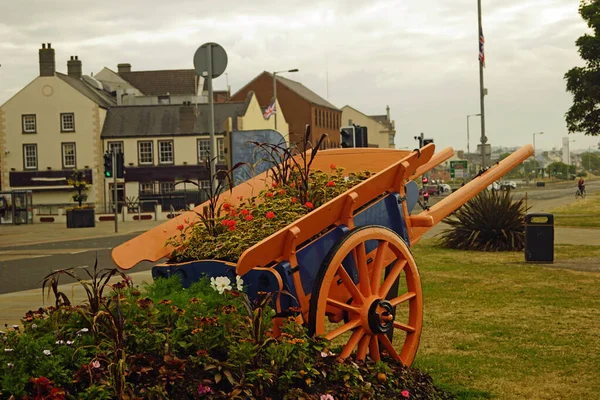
pixel 417 56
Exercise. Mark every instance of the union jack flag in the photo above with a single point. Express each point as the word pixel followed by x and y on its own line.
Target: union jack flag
pixel 481 48
pixel 272 109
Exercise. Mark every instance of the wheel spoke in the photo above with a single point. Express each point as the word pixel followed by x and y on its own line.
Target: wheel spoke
pixel 363 345
pixel 356 336
pixel 391 278
pixel 360 254
pixel 403 327
pixel 342 329
pixel 378 265
pixel 403 298
pixel 385 341
pixel 347 280
pixel 374 349
pixel 343 306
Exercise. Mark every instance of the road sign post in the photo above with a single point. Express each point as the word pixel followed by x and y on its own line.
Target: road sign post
pixel 458 169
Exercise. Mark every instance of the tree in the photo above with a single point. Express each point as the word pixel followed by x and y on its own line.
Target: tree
pixel 590 161
pixel 584 82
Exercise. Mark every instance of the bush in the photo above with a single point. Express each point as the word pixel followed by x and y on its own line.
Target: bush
pixel 165 342
pixel 491 221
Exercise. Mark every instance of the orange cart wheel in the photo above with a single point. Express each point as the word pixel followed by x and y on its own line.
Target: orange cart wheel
pixel 386 298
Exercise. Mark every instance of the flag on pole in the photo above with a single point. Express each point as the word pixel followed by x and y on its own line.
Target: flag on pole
pixel 481 48
pixel 272 109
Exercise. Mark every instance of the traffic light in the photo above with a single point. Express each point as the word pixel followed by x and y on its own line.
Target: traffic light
pixel 347 136
pixel 361 138
pixel 108 165
pixel 120 165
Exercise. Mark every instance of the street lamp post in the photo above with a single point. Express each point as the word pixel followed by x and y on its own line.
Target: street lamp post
pixel 534 160
pixel 469 143
pixel 275 90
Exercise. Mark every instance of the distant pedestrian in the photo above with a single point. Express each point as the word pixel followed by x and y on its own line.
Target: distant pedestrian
pixel 425 197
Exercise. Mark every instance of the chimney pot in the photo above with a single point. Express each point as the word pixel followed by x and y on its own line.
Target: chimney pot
pixel 43 45
pixel 123 68
pixel 46 61
pixel 49 45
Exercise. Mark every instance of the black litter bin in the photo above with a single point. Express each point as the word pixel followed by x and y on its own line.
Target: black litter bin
pixel 539 237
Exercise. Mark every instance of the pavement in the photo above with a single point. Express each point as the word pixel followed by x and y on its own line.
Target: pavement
pixel 14 305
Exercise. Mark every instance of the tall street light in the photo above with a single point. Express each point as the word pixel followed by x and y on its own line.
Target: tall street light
pixel 534 160
pixel 275 90
pixel 469 143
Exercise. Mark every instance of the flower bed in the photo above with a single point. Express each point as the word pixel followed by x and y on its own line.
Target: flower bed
pixel 164 342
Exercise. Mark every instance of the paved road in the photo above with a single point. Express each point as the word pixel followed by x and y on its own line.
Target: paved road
pixel 24 267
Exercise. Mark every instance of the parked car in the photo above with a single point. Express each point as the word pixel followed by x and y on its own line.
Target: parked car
pixel 506 185
pixel 444 188
pixel 431 189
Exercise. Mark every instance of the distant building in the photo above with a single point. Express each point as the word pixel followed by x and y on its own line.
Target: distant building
pixel 381 129
pixel 300 105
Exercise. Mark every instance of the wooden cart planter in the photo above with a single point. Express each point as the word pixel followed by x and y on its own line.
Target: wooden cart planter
pixel 357 282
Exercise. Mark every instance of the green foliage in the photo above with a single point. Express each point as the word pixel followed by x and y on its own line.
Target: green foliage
pixel 491 221
pixel 165 342
pixel 562 170
pixel 584 82
pixel 590 162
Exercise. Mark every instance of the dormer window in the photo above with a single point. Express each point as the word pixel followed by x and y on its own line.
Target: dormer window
pixel 67 122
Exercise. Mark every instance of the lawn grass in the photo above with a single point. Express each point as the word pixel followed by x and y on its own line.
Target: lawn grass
pixel 495 327
pixel 582 213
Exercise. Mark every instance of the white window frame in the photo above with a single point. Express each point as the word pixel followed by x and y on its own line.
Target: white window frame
pixel 144 186
pixel 25 122
pixel 220 149
pixel 165 152
pixel 119 146
pixel 203 150
pixel 67 126
pixel 34 155
pixel 65 146
pixel 171 184
pixel 141 154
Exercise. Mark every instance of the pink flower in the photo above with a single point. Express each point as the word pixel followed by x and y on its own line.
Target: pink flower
pixel 204 389
pixel 326 397
pixel 249 217
pixel 309 205
pixel 405 393
pixel 270 215
pixel 180 227
pixel 270 194
pixel 330 184
pixel 332 166
pixel 96 364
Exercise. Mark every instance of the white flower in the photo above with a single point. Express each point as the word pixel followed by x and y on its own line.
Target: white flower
pixel 60 342
pixel 47 352
pixel 33 326
pixel 82 330
pixel 69 342
pixel 2 333
pixel 8 350
pixel 16 327
pixel 220 284
pixel 239 283
pixel 10 365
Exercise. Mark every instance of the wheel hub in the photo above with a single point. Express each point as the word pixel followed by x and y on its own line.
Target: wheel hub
pixel 381 316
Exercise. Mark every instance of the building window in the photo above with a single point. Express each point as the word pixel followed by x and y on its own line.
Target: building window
pixel 203 150
pixel 164 99
pixel 116 147
pixel 68 155
pixel 146 188
pixel 316 117
pixel 29 123
pixel 145 153
pixel 67 122
pixel 221 150
pixel 165 152
pixel 30 156
pixel 167 187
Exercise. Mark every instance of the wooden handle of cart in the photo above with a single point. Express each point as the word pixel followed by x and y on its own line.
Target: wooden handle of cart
pixel 418 225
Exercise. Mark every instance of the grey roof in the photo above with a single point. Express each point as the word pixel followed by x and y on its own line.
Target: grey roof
pixel 164 120
pixel 100 97
pixel 158 83
pixel 304 92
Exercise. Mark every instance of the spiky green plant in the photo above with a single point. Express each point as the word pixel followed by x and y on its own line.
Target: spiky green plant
pixel 491 221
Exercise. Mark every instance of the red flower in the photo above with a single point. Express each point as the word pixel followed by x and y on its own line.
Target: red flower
pixel 232 227
pixel 240 198
pixel 231 223
pixel 245 212
pixel 309 205
pixel 233 213
pixel 225 222
pixel 270 215
pixel 294 199
pixel 332 166
pixel 269 194
pixel 282 191
pixel 187 220
pixel 180 227
pixel 249 217
pixel 330 184
pixel 274 184
pixel 292 185
pixel 226 206
pixel 405 393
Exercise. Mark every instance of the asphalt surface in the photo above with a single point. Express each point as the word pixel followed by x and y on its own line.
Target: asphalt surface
pixel 24 267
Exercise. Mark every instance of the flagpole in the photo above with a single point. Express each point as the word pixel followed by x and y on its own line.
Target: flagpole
pixel 481 88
